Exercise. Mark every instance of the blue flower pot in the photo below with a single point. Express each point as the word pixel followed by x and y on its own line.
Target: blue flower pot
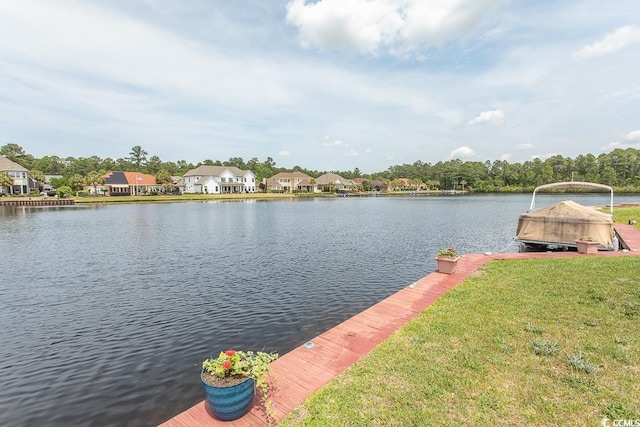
pixel 232 402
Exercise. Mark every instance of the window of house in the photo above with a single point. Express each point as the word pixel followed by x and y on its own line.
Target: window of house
pixel 223 179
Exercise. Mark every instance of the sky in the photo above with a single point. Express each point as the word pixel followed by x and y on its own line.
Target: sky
pixel 324 84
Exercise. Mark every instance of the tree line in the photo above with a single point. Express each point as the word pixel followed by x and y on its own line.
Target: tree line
pixel 619 168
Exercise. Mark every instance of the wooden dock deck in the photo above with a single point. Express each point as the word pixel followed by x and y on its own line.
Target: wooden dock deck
pixel 304 370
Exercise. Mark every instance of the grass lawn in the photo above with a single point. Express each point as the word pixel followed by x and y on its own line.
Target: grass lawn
pixel 183 198
pixel 523 342
pixel 624 215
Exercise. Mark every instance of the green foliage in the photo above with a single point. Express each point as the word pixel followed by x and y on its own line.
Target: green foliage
pixel 447 253
pixel 529 327
pixel 12 152
pixel 617 411
pixel 580 363
pixel 138 156
pixel 64 191
pixel 163 177
pixel 76 181
pixel 37 175
pixel 619 168
pixel 6 181
pixel 59 182
pixel 545 347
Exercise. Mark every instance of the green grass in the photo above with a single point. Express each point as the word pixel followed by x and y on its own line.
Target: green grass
pixel 182 198
pixel 469 358
pixel 626 214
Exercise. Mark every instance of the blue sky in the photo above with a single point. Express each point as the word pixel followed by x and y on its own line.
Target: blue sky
pixel 327 85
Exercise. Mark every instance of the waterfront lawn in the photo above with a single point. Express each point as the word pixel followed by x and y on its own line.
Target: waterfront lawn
pixel 624 215
pixel 182 198
pixel 522 342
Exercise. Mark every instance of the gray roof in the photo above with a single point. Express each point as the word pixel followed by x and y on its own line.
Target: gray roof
pixel 8 165
pixel 333 177
pixel 208 170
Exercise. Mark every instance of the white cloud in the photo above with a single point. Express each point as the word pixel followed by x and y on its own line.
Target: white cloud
pixel 633 136
pixel 619 144
pixel 505 156
pixel 631 140
pixel 365 26
pixel 494 117
pixel 328 142
pixel 351 153
pixel 619 39
pixel 283 153
pixel 525 146
pixel 462 152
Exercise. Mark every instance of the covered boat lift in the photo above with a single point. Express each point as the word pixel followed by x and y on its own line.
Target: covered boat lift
pixel 560 225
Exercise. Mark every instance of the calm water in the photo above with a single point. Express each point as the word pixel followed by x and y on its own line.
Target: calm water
pixel 106 312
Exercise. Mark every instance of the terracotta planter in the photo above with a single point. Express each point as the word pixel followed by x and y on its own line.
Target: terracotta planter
pixel 447 265
pixel 585 247
pixel 230 403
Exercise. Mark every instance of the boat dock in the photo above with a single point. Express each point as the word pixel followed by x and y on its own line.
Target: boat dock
pixel 37 202
pixel 304 370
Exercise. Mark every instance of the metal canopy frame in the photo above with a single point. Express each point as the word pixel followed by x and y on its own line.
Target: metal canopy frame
pixel 572 184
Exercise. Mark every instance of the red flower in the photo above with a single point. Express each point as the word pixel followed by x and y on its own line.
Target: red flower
pixel 226 364
pixel 230 353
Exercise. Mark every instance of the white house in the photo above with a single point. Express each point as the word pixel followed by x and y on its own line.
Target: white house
pixel 21 176
pixel 218 180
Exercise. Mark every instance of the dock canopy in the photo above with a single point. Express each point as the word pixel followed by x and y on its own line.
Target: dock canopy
pixel 564 223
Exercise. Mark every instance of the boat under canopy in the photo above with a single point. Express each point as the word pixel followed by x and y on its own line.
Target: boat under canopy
pixel 560 225
pixel 564 223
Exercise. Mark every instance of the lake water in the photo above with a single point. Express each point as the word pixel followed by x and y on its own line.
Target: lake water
pixel 106 312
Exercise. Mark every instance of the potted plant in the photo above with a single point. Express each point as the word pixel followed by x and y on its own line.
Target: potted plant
pixel 447 260
pixel 587 245
pixel 230 380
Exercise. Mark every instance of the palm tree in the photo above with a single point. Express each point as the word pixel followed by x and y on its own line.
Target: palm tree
pixel 6 181
pixel 94 179
pixel 37 176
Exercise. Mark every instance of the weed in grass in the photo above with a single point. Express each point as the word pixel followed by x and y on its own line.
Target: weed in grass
pixel 580 363
pixel 618 355
pixel 617 411
pixel 504 346
pixel 418 340
pixel 529 327
pixel 580 382
pixel 487 402
pixel 590 323
pixel 630 309
pixel 545 347
pixel 621 341
pixel 596 296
